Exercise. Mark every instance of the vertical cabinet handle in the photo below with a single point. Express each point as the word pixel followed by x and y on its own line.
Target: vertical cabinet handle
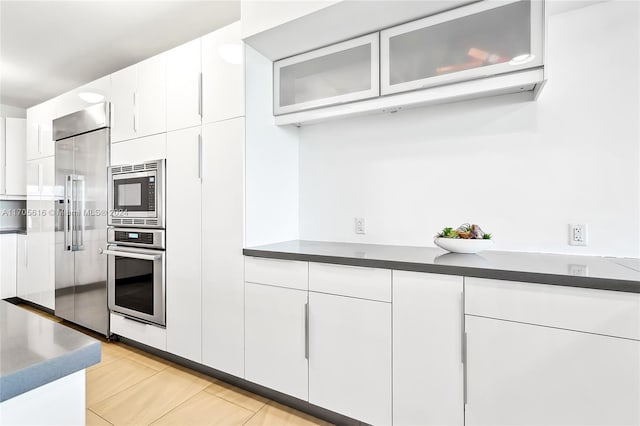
pixel 306 330
pixel 200 95
pixel 135 111
pixel 465 369
pixel 39 178
pixel 26 253
pixel 39 139
pixel 200 156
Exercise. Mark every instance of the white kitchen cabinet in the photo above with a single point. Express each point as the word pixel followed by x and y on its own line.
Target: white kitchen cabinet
pixel 350 357
pixel 147 334
pixel 139 150
pixel 184 242
pixel 222 243
pixel 222 74
pixel 8 265
pixel 83 97
pixel 524 374
pixel 184 91
pixel 13 156
pixel 470 42
pixel 40 142
pixel 427 349
pixel 276 338
pixel 343 72
pixel 138 99
pixel 35 267
pixel 40 175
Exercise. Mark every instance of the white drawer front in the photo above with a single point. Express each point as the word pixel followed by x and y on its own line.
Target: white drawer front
pixel 606 312
pixel 277 272
pixel 147 334
pixel 353 281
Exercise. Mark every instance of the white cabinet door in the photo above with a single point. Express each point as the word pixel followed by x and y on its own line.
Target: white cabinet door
pixel 3 159
pixel 35 275
pixel 184 107
pixel 350 357
pixel 151 96
pixel 521 374
pixel 40 130
pixel 276 339
pixel 344 72
pixel 15 156
pixel 427 349
pixel 222 243
pixel 222 74
pixel 479 40
pixel 8 265
pixel 123 89
pixel 139 150
pixel 184 273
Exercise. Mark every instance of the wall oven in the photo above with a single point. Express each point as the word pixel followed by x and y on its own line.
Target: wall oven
pixel 136 195
pixel 136 273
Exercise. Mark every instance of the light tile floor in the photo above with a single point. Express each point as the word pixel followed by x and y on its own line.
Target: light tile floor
pixel 132 387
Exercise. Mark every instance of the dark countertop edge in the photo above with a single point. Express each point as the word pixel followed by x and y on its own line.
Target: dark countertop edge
pixel 498 274
pixel 13 231
pixel 47 371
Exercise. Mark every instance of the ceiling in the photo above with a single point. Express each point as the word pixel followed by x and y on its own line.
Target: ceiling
pixel 50 47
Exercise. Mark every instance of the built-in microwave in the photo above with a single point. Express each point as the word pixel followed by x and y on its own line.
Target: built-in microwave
pixel 136 194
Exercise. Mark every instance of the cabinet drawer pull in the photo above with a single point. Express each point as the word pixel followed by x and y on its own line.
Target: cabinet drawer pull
pixel 306 330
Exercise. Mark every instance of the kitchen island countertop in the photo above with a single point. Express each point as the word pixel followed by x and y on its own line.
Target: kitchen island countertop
pixel 35 351
pixel 618 274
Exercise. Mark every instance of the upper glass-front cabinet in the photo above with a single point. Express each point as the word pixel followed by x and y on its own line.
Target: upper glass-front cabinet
pixel 475 41
pixel 340 73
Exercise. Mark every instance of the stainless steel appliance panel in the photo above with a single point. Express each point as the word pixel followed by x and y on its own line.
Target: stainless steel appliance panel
pixel 91 118
pixel 89 231
pixel 65 259
pixel 82 159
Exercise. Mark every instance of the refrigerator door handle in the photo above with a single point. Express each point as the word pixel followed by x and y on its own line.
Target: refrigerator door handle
pixel 68 212
pixel 78 204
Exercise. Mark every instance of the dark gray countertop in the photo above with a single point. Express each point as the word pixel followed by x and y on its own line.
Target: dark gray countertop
pixel 35 351
pixel 575 271
pixel 13 231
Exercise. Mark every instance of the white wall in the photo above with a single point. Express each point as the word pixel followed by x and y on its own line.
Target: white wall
pixel 522 170
pixel 271 161
pixel 11 111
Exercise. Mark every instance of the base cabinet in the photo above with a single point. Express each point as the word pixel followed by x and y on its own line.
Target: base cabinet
pixel 427 349
pixel 275 339
pixel 522 374
pixel 350 356
pixel 8 264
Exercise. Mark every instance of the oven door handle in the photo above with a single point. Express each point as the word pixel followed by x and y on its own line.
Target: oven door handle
pixel 131 255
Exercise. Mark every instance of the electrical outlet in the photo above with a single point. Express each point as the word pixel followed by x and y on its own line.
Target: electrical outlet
pixel 359 225
pixel 577 234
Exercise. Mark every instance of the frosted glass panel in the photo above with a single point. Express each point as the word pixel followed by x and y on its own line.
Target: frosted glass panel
pixel 335 74
pixel 482 39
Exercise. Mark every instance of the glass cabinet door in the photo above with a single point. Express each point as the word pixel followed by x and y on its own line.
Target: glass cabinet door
pixel 475 41
pixel 343 72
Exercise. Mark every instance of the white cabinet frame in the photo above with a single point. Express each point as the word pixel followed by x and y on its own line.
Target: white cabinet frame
pixel 536 25
pixel 373 40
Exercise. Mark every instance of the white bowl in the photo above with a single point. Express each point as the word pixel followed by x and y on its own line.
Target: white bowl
pixel 460 245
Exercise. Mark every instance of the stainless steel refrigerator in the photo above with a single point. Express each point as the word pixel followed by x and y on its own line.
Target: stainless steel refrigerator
pixel 82 158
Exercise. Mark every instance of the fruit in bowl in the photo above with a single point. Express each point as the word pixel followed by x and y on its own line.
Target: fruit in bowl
pixel 464 239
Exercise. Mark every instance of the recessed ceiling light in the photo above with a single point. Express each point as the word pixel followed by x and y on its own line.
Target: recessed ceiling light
pixel 91 97
pixel 231 53
pixel 522 59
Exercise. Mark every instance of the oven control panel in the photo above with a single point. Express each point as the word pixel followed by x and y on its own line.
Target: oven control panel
pixel 151 238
